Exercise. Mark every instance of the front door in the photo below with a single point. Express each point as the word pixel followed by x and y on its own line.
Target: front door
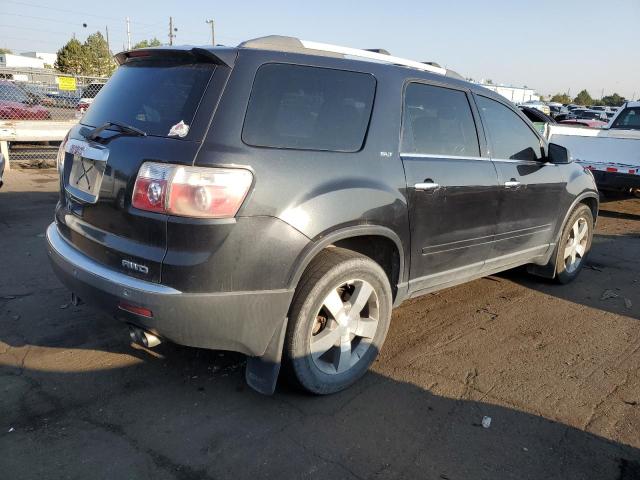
pixel 531 188
pixel 452 191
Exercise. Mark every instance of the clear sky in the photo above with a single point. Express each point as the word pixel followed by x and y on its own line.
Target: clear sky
pixel 552 46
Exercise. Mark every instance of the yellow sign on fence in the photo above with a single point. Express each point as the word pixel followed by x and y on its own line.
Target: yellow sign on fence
pixel 66 83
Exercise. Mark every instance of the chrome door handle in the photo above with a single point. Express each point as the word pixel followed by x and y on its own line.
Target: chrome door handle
pixel 426 186
pixel 511 184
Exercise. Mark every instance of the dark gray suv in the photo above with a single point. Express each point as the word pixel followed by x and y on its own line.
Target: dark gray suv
pixel 280 198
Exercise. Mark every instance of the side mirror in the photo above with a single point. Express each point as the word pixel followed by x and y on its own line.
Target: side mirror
pixel 558 154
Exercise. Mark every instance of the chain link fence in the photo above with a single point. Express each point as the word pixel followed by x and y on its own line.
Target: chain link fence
pixel 37 108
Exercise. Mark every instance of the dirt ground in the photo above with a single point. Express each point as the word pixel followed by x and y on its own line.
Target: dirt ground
pixel 555 367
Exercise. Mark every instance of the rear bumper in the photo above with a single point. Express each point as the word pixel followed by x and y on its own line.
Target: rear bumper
pixel 237 321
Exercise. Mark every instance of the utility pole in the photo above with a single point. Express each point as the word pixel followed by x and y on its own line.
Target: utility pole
pixel 106 29
pixel 128 35
pixel 171 35
pixel 213 38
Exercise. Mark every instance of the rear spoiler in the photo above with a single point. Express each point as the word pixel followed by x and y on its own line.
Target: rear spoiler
pixel 217 55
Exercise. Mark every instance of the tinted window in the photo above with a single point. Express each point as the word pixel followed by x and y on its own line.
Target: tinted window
pixel 511 138
pixel 151 95
pixel 292 106
pixel 630 118
pixel 438 121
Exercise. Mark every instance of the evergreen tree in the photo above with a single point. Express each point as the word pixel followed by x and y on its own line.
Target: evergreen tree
pixel 154 42
pixel 72 58
pixel 583 98
pixel 99 59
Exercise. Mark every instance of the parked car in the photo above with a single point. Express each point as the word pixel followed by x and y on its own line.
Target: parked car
pixel 15 104
pixel 557 110
pixel 564 116
pixel 539 119
pixel 543 107
pixel 64 98
pixel 87 97
pixel 280 198
pixel 590 115
pixel 611 153
pixel 36 93
pixel 627 117
pixel 584 122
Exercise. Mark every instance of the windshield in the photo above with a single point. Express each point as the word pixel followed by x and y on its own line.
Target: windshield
pixel 152 95
pixel 629 119
pixel 11 93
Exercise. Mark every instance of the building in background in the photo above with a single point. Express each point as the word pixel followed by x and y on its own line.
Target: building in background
pixel 9 60
pixel 514 94
pixel 49 58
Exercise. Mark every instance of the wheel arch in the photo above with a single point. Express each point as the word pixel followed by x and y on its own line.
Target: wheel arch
pixel 363 239
pixel 548 268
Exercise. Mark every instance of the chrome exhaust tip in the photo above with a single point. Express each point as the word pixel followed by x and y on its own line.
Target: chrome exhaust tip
pixel 144 338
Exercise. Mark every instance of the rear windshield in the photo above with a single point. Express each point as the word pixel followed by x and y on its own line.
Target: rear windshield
pixel 152 95
pixel 309 108
pixel 630 119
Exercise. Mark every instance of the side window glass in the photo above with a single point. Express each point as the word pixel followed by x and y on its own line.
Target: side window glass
pixel 438 121
pixel 511 138
pixel 309 108
pixel 630 118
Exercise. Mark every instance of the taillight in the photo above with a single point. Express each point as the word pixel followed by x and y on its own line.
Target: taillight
pixel 61 154
pixel 191 191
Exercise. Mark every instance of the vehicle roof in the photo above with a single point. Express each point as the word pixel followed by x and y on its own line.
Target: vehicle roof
pixel 279 46
pixel 632 104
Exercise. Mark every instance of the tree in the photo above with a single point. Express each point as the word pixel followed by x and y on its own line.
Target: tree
pixel 154 42
pixel 99 59
pixel 583 98
pixel 5 50
pixel 72 58
pixel 614 100
pixel 561 98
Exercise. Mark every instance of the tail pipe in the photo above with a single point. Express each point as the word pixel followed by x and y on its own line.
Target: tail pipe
pixel 142 337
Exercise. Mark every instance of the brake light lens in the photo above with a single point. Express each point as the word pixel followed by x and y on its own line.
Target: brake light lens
pixel 200 192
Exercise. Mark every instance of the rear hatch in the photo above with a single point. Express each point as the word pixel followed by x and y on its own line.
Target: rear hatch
pixel 156 107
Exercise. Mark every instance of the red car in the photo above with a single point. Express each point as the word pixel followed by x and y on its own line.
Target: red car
pixel 15 104
pixel 584 122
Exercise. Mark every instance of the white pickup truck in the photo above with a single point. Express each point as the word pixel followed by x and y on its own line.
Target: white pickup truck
pixel 611 153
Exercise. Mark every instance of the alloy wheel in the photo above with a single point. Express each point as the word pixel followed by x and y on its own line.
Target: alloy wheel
pixel 576 246
pixel 344 326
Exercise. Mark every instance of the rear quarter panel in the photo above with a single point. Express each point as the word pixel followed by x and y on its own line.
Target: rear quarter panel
pixel 313 192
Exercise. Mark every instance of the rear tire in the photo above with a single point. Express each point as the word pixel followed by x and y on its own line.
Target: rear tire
pixel 574 244
pixel 337 322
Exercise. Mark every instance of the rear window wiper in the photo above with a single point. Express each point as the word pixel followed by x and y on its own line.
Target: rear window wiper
pixel 123 127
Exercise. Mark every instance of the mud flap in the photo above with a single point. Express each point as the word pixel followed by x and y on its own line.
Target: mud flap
pixel 261 373
pixel 545 271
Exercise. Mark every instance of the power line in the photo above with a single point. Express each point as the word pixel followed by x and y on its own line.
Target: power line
pixel 36 29
pixel 48 19
pixel 74 12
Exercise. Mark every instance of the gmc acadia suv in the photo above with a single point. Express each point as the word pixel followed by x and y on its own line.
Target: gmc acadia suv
pixel 280 198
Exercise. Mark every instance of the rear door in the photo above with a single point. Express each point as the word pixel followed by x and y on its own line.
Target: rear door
pixel 169 99
pixel 452 190
pixel 530 190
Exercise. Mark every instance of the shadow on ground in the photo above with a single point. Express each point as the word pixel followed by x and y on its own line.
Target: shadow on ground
pixel 186 413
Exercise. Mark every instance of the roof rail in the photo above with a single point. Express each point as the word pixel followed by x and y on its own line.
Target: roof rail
pixel 281 43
